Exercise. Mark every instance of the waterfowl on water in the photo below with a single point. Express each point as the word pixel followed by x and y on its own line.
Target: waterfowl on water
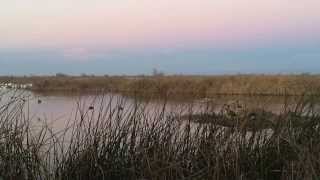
pixel 205 100
pixel 91 107
pixel 252 116
pixel 39 101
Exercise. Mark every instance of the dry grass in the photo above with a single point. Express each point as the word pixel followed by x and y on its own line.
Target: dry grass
pixel 180 86
pixel 130 143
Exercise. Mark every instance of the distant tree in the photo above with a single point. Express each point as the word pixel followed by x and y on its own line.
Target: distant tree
pixel 155 72
pixel 61 75
pixel 305 74
pixel 84 75
pixel 141 75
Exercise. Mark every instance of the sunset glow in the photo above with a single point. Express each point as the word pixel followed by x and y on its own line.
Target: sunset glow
pixel 88 29
pixel 129 23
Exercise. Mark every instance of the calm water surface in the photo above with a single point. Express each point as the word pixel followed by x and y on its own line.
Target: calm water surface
pixel 59 109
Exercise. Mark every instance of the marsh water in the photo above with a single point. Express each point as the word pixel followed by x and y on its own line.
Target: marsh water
pixel 58 109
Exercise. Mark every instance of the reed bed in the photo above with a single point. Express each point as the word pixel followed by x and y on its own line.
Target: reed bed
pixel 178 86
pixel 119 140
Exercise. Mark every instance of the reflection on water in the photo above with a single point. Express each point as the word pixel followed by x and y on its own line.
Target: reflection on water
pixel 59 109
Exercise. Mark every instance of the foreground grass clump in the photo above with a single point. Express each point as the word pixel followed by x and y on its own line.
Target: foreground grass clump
pixel 19 149
pixel 121 140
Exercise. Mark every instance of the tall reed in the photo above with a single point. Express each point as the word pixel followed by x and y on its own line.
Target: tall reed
pixel 121 140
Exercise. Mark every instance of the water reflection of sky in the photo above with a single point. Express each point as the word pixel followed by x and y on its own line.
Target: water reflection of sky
pixel 58 110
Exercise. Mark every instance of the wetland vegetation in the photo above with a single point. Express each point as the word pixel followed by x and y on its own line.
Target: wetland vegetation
pixel 178 86
pixel 113 142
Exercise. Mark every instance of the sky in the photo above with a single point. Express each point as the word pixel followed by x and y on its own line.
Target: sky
pixel 132 37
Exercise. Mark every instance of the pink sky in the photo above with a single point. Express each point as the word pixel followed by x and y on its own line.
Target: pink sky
pixel 81 24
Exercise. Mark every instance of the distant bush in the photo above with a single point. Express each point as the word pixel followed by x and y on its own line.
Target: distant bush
pixel 61 75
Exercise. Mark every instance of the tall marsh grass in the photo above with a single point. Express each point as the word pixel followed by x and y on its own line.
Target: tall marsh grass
pixel 125 141
pixel 179 86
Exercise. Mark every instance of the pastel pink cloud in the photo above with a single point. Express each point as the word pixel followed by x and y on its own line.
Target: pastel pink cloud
pixel 131 23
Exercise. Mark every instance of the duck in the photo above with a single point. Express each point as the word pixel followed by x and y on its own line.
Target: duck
pixel 120 108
